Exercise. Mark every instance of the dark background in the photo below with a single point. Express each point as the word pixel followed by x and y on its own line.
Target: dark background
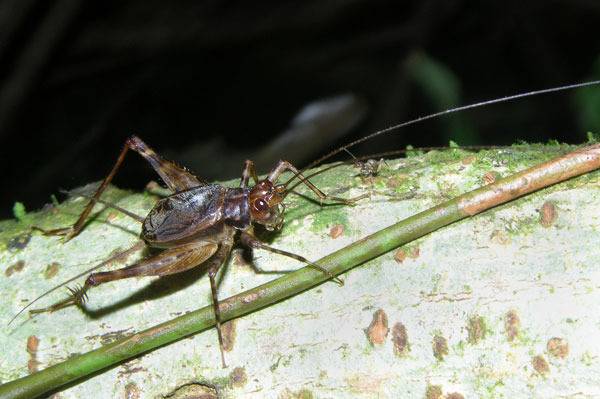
pixel 78 77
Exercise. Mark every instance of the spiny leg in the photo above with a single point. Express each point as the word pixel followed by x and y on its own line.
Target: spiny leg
pixel 250 241
pixel 175 177
pixel 77 296
pixel 69 300
pixel 176 260
pixel 170 261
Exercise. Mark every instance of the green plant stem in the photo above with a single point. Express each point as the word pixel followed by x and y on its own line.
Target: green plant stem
pixel 573 164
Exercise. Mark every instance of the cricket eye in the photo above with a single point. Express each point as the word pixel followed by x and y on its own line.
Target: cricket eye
pixel 261 205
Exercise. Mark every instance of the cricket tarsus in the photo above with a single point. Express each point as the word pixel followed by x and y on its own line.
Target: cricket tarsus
pixel 197 223
pixel 77 296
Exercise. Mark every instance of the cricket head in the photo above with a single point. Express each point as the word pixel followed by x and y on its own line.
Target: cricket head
pixel 266 204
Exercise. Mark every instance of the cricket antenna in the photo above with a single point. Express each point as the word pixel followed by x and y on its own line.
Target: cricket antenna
pixel 446 112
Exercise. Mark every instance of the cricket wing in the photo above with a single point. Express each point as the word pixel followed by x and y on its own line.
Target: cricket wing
pixel 183 216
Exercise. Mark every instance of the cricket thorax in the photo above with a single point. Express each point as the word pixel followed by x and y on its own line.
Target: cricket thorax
pixel 236 208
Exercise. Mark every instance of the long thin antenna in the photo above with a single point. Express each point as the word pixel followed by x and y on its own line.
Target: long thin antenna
pixel 446 112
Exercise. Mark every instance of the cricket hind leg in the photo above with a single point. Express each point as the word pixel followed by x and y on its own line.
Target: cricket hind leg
pixel 250 241
pixel 170 261
pixel 176 260
pixel 176 178
pixel 76 291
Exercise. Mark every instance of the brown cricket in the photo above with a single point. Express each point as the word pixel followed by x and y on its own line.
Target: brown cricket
pixel 197 222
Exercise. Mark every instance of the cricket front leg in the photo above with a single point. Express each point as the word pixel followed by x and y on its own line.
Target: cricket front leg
pixel 282 166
